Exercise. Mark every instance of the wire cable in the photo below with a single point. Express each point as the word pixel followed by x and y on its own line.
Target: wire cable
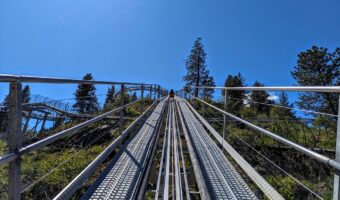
pixel 62 163
pixel 53 100
pixel 279 106
pixel 278 167
pixel 271 162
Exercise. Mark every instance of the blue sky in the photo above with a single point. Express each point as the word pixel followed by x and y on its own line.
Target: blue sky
pixel 148 40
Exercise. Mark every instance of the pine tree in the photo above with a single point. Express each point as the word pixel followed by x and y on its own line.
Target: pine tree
pixel 109 96
pixel 4 115
pixel 235 97
pixel 318 67
pixel 197 74
pixel 134 97
pixel 26 94
pixel 5 103
pixel 86 99
pixel 4 109
pixel 260 97
pixel 281 112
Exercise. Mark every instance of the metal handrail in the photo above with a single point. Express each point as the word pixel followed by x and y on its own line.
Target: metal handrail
pixel 319 157
pixel 265 187
pixel 14 130
pixel 68 132
pixel 42 79
pixel 327 89
pixel 72 187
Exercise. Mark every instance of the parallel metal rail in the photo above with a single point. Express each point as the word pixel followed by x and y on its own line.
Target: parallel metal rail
pixel 222 179
pixel 167 162
pixel 265 187
pixel 186 184
pixel 159 177
pixel 172 153
pixel 178 177
pixel 201 183
pixel 321 158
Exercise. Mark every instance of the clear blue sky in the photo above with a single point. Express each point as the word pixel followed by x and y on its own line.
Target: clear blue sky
pixel 148 40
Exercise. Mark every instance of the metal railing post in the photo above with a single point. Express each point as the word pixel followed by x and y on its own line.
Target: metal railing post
pixel 14 140
pixel 150 92
pixel 224 116
pixel 142 96
pixel 158 92
pixel 336 187
pixel 155 92
pixel 203 105
pixel 121 121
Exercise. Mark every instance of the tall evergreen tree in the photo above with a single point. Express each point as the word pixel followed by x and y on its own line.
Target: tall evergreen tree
pixel 4 109
pixel 26 94
pixel 260 97
pixel 283 112
pixel 134 97
pixel 235 101
pixel 5 101
pixel 86 99
pixel 109 96
pixel 197 73
pixel 318 67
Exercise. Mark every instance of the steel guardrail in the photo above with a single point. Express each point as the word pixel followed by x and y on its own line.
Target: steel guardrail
pixel 70 131
pixel 43 79
pixel 319 157
pixel 69 190
pixel 265 187
pixel 327 89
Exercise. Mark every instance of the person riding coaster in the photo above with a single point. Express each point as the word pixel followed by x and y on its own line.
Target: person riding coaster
pixel 172 93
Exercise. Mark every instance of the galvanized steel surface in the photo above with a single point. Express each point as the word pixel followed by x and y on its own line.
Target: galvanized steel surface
pixel 120 179
pixel 222 179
